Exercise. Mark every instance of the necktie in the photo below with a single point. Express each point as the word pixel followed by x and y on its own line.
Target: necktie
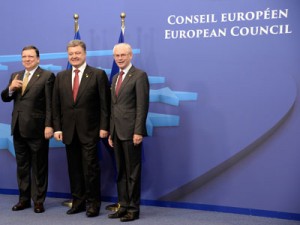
pixel 75 84
pixel 25 82
pixel 120 78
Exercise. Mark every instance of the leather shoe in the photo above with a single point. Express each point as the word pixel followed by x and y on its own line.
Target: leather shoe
pixel 92 212
pixel 130 216
pixel 21 206
pixel 39 208
pixel 113 207
pixel 75 210
pixel 118 214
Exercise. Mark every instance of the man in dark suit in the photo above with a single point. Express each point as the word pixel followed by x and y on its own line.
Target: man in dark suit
pixel 81 101
pixel 129 109
pixel 31 127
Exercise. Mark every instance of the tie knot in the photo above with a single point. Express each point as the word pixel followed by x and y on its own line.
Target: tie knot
pixel 121 73
pixel 76 71
pixel 27 74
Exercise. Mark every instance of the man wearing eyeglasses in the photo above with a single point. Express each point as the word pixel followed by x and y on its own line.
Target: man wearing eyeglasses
pixel 129 109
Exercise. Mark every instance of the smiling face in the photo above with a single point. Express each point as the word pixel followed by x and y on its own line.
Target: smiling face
pixel 76 56
pixel 122 55
pixel 30 60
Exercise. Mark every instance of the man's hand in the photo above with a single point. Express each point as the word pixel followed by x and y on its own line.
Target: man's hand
pixel 58 136
pixel 110 142
pixel 15 84
pixel 137 139
pixel 48 132
pixel 103 134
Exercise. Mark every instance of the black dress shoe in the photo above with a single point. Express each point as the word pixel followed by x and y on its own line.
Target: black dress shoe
pixel 75 210
pixel 113 207
pixel 130 216
pixel 21 206
pixel 92 212
pixel 118 214
pixel 39 208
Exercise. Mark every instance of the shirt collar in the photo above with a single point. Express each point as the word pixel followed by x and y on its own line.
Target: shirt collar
pixel 31 71
pixel 127 69
pixel 81 68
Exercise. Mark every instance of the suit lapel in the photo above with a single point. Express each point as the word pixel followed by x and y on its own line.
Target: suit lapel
pixel 68 81
pixel 113 88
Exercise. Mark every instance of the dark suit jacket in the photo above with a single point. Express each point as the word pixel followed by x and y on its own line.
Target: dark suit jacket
pixel 33 110
pixel 89 113
pixel 130 108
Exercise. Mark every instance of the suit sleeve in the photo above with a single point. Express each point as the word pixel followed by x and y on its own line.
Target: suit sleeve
pixel 5 93
pixel 142 104
pixel 104 96
pixel 48 96
pixel 56 106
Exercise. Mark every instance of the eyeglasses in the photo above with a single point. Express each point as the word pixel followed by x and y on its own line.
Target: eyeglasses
pixel 120 55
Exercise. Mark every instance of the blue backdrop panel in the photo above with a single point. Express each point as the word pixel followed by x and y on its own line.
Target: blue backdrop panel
pixel 224 115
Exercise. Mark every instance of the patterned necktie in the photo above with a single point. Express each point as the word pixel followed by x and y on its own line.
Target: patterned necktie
pixel 25 82
pixel 75 84
pixel 120 78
